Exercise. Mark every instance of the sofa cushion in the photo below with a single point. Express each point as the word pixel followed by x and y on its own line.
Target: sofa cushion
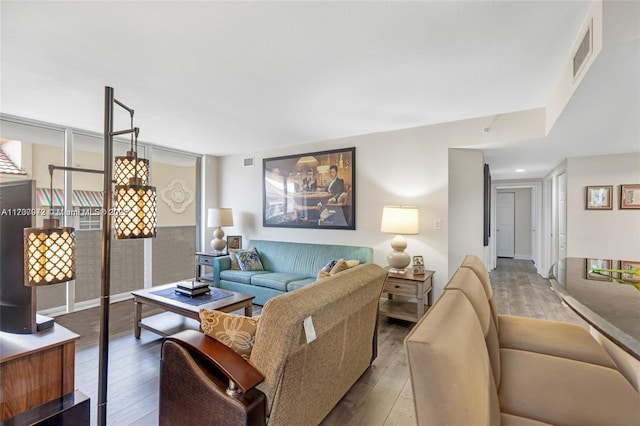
pixel 249 260
pixel 276 280
pixel 295 285
pixel 578 390
pixel 552 338
pixel 235 331
pixel 240 276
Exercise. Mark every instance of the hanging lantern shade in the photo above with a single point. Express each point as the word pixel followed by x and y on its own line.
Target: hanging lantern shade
pixel 129 167
pixel 135 210
pixel 49 254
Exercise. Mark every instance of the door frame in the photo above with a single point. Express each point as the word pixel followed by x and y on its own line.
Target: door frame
pixel 499 228
pixel 536 220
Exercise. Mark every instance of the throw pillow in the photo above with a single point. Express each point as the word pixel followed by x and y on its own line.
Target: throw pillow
pixel 249 260
pixel 234 260
pixel 353 262
pixel 235 331
pixel 325 272
pixel 343 265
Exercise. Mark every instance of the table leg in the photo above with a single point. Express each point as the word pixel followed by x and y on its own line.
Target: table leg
pixel 248 310
pixel 137 317
pixel 420 307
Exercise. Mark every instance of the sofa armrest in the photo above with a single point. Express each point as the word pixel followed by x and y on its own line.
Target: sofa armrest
pixel 239 372
pixel 194 391
pixel 221 263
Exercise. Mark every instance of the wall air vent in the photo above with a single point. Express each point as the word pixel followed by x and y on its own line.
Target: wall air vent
pixel 583 52
pixel 248 162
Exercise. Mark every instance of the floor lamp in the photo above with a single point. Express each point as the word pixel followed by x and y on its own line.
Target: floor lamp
pixel 135 218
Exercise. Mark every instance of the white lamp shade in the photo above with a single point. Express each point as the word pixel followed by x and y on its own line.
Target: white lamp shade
pixel 400 220
pixel 219 217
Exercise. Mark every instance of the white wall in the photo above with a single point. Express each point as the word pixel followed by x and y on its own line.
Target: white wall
pixel 466 206
pixel 401 167
pixel 608 234
pixel 407 167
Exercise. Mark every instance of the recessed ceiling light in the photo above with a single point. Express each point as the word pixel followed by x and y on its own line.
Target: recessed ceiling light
pixel 519 170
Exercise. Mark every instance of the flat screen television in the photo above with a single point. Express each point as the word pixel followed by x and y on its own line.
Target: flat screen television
pixel 17 301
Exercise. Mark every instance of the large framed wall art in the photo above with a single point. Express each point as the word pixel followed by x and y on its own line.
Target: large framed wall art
pixel 316 190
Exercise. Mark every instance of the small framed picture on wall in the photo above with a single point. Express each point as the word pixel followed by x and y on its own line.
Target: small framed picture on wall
pixel 630 196
pixel 599 197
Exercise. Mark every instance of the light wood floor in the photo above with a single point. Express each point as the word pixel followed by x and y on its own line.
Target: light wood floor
pixel 382 396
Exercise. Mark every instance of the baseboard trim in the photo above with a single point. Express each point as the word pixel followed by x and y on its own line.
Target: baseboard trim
pixel 87 304
pixel 522 257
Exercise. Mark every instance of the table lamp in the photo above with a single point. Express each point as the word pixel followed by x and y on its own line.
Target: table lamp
pixel 217 218
pixel 399 220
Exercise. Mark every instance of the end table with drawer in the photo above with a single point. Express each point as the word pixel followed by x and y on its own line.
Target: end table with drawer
pixel 408 285
pixel 204 260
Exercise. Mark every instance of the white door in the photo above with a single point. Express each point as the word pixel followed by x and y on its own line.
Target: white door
pixel 562 216
pixel 505 218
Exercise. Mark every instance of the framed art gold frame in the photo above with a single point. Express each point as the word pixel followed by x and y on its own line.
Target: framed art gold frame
pixel 630 196
pixel 599 197
pixel 591 264
pixel 630 265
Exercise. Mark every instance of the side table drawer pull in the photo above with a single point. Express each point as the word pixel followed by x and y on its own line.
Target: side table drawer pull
pixel 399 288
pixel 202 260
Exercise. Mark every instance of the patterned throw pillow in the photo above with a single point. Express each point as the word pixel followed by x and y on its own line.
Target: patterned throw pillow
pixel 235 331
pixel 249 260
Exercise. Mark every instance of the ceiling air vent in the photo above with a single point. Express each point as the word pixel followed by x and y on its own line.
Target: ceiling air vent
pixel 248 162
pixel 583 52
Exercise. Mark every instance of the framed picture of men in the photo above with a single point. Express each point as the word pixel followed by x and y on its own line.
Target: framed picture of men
pixel 314 190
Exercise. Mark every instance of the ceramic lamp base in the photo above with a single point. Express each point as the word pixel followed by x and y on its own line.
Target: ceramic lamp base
pixel 218 244
pixel 398 259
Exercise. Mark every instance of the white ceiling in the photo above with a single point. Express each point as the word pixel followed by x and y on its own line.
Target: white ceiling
pixel 234 77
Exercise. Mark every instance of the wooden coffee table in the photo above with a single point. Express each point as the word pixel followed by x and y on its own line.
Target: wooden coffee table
pixel 180 315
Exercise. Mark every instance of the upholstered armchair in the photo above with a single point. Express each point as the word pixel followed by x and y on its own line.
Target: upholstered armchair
pixel 311 346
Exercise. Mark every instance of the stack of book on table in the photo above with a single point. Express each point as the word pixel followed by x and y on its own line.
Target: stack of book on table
pixel 192 288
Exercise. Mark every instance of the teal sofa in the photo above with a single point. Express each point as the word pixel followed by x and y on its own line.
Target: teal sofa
pixel 287 267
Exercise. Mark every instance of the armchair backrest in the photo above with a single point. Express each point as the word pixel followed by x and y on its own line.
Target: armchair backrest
pixel 477 266
pixel 467 282
pixel 305 380
pixel 449 366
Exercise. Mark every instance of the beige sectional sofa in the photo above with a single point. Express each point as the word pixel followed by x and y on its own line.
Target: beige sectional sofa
pixel 530 334
pixel 289 379
pixel 462 372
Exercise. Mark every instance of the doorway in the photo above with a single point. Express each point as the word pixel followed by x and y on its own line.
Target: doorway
pixel 562 217
pixel 505 217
